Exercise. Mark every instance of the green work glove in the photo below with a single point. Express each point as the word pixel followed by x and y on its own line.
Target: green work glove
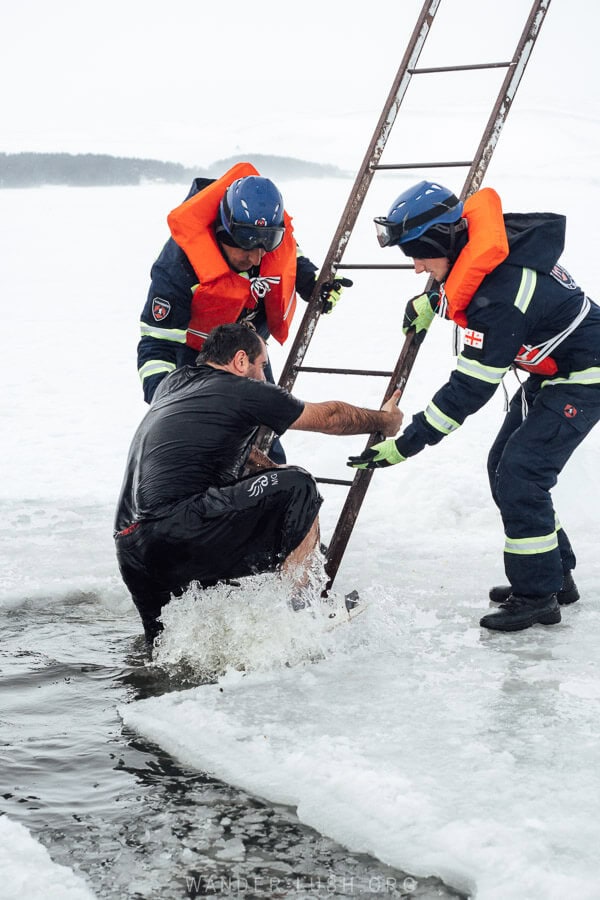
pixel 379 456
pixel 331 291
pixel 419 313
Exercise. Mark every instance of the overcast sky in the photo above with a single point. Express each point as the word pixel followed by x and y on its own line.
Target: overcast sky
pixel 194 81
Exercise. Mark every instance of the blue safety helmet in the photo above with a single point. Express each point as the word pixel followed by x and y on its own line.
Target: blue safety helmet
pixel 251 214
pixel 423 221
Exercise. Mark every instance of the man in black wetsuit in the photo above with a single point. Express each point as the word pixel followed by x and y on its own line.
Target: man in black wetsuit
pixel 187 512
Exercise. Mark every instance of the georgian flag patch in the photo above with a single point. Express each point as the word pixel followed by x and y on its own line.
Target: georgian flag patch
pixel 474 338
pixel 160 309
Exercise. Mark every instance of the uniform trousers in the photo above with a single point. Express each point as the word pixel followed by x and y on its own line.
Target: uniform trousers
pixel 526 458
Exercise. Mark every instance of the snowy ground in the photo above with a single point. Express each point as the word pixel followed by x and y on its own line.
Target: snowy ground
pixel 409 733
pixel 26 869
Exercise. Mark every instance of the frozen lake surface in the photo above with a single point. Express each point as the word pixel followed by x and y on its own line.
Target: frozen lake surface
pixel 409 737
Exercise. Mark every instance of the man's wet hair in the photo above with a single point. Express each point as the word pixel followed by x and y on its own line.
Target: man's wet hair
pixel 224 341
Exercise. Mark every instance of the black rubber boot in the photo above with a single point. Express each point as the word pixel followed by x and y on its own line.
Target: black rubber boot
pixel 567 594
pixel 518 613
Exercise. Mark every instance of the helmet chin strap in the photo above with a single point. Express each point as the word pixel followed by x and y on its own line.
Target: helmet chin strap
pixel 458 231
pixel 452 251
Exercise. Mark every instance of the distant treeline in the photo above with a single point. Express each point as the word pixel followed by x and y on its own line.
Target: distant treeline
pixel 18 170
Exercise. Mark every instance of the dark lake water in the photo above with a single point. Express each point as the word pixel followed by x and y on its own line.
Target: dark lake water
pixel 122 812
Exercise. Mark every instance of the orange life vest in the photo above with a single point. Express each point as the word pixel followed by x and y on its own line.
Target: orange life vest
pixel 222 294
pixel 486 248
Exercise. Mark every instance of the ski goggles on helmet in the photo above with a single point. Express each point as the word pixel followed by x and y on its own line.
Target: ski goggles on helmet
pixel 388 233
pixel 441 215
pixel 251 237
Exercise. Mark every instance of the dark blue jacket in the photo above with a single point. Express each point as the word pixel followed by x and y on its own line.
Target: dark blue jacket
pixel 528 301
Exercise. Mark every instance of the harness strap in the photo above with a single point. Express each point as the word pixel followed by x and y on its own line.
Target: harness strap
pixel 545 349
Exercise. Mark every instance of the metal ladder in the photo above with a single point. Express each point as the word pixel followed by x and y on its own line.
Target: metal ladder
pixel 332 264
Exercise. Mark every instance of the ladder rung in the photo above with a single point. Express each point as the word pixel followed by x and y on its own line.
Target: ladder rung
pixel 374 266
pixel 342 371
pixel 333 481
pixel 467 68
pixel 428 165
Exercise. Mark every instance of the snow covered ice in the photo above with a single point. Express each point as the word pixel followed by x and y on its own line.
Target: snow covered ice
pixel 408 734
pixel 26 869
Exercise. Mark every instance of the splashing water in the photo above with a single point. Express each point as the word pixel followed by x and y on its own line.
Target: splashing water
pixel 250 627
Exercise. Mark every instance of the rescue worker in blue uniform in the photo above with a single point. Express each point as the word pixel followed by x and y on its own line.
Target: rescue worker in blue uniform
pixel 500 279
pixel 232 256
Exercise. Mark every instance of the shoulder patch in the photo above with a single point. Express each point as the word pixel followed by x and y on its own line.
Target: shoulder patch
pixel 562 276
pixel 160 309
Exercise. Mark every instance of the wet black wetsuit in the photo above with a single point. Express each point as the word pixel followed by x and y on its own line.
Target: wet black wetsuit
pixel 185 512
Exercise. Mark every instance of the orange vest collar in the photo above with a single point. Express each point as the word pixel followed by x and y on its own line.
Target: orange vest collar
pixel 486 248
pixel 192 220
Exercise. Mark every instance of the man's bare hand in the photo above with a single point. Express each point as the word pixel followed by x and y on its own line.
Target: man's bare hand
pixel 258 460
pixel 395 415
